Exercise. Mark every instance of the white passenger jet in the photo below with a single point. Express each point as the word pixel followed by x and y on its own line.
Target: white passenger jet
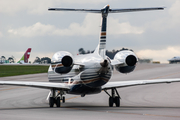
pixel 25 57
pixel 90 74
pixel 175 59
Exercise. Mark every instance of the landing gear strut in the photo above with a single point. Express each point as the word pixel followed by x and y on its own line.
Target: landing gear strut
pixel 56 99
pixel 62 98
pixel 113 98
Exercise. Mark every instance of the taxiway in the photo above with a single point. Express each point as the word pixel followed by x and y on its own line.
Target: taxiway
pixel 157 102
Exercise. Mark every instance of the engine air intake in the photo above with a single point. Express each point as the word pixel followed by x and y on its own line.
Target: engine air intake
pixel 67 61
pixel 131 60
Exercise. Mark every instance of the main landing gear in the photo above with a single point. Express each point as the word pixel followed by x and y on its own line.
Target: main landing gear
pixel 114 98
pixel 56 98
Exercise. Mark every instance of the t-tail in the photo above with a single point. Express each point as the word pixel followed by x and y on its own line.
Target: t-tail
pixel 101 49
pixel 25 57
pixel 102 41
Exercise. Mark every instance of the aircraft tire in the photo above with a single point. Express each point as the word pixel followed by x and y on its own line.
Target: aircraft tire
pixel 51 102
pixel 63 99
pixel 58 102
pixel 117 101
pixel 111 102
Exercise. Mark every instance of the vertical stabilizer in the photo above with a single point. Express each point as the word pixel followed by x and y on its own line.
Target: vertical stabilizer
pixel 102 40
pixel 25 57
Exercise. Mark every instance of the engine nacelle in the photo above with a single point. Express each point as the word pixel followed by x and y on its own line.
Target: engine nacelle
pixel 62 62
pixel 128 58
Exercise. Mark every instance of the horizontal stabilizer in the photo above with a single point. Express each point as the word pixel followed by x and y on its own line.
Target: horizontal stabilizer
pixel 110 10
pixel 67 9
pixel 134 9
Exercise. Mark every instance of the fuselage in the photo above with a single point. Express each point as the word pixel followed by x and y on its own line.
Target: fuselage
pixel 174 59
pixel 87 75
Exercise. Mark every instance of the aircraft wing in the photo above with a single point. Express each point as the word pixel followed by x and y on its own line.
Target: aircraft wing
pixel 121 84
pixel 45 85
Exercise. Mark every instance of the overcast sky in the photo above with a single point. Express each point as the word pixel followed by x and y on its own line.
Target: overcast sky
pixel 28 23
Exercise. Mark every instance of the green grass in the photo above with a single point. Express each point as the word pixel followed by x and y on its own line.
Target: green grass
pixel 12 70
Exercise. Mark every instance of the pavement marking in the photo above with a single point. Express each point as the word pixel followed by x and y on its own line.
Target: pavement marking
pixel 73 97
pixel 11 88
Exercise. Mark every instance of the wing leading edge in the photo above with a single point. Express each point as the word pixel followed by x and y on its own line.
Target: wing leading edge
pixel 120 84
pixel 45 85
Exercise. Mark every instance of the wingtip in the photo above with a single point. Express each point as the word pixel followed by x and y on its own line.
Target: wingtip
pixel 162 8
pixel 51 9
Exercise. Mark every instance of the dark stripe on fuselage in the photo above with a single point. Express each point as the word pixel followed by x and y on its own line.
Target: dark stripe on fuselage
pixel 83 89
pixel 87 77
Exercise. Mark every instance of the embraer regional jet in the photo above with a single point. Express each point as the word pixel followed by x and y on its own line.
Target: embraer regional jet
pixel 90 74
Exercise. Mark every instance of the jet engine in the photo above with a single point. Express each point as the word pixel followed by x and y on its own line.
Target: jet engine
pixel 62 62
pixel 129 60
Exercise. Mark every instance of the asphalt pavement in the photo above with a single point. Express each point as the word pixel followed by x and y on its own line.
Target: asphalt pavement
pixel 157 102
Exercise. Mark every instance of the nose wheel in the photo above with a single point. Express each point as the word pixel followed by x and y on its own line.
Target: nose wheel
pixel 114 98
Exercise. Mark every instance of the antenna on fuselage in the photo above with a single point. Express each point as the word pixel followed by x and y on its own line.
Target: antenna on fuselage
pixel 105 11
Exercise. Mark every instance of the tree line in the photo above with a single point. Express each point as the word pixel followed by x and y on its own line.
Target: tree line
pixel 110 54
pixel 44 60
pixel 47 60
